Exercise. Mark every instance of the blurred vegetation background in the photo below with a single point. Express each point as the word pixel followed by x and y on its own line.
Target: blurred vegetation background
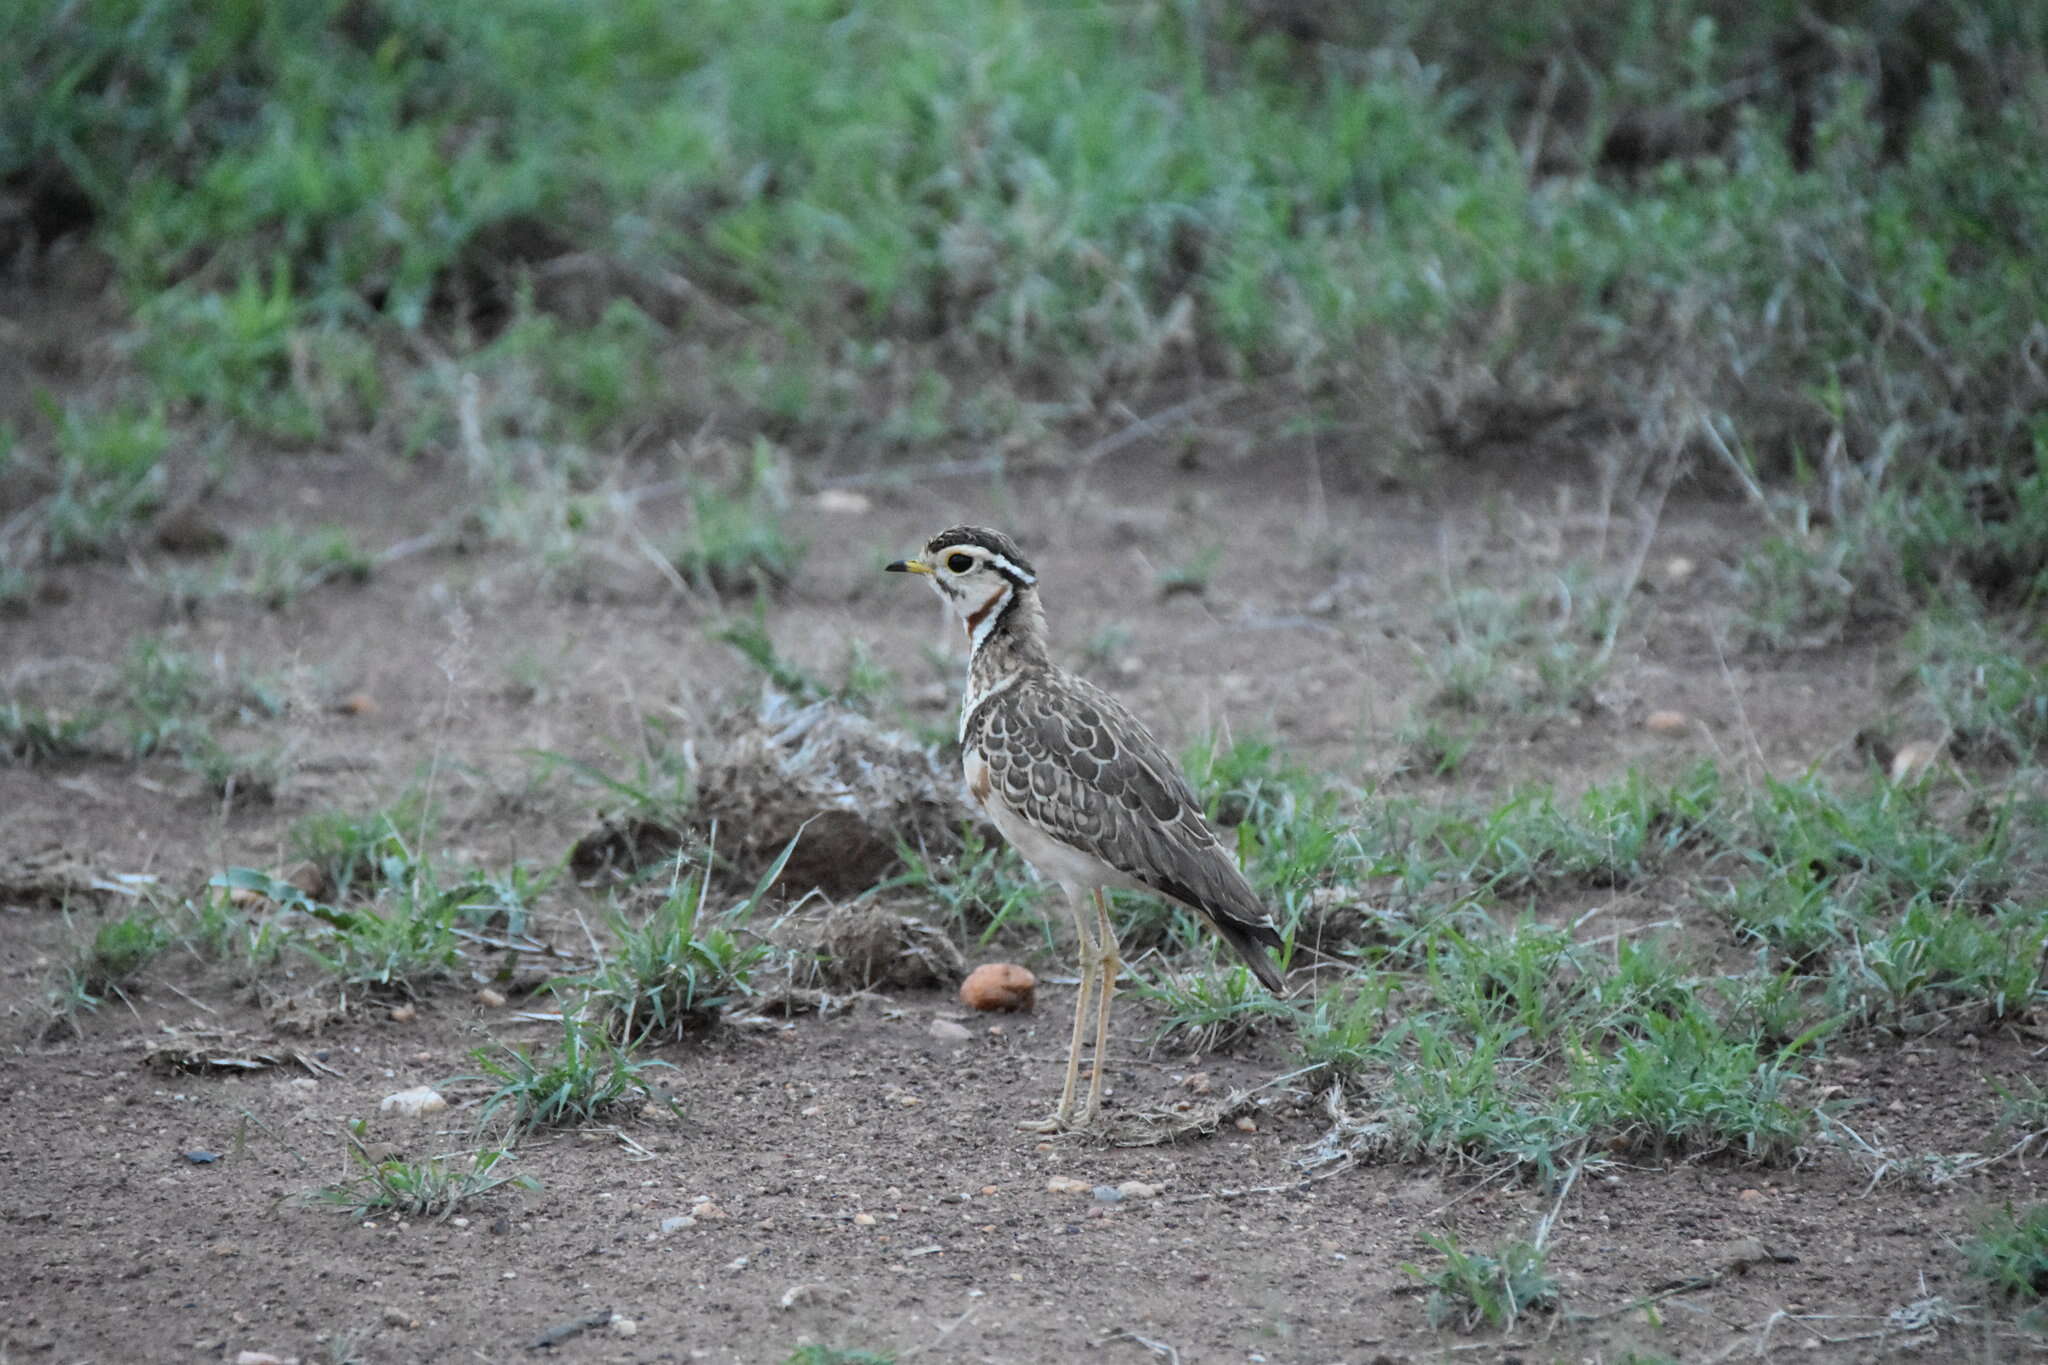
pixel 543 252
pixel 1793 247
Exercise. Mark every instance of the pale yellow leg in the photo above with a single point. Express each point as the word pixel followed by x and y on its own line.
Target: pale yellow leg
pixel 1062 1117
pixel 1108 965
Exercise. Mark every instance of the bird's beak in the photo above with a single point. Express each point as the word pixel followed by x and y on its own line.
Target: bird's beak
pixel 909 566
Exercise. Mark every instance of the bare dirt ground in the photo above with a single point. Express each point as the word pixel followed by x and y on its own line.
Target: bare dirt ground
pixel 118 1247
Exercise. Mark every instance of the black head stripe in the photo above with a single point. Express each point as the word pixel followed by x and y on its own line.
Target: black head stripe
pixel 1007 559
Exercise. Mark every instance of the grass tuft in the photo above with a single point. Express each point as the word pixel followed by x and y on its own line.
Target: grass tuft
pixel 434 1188
pixel 676 971
pixel 1497 1289
pixel 736 541
pixel 2009 1254
pixel 589 1076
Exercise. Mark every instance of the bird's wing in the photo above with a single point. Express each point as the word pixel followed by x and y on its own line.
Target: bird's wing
pixel 1069 758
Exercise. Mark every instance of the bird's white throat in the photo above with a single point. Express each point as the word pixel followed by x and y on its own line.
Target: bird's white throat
pixel 981 621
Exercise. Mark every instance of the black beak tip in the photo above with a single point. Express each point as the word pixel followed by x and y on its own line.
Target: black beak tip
pixel 898 567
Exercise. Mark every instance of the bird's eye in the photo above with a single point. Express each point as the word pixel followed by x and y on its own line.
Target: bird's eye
pixel 960 563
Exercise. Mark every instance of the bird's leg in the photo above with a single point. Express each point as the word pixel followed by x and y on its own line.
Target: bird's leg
pixel 1062 1117
pixel 1107 966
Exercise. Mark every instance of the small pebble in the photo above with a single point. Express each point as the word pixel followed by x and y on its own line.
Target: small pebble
pixel 1670 724
pixel 677 1223
pixel 1138 1189
pixel 415 1103
pixel 1108 1194
pixel 1245 1124
pixel 705 1209
pixel 1749 1196
pixel 1066 1184
pixel 258 1358
pixel 946 1031
pixel 199 1156
pixel 357 704
pixel 1913 759
pixel 863 1220
pixel 403 1014
pixel 395 1316
pixel 491 999
pixel 624 1326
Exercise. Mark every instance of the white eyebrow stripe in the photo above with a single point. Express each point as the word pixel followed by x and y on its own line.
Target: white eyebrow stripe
pixel 1010 567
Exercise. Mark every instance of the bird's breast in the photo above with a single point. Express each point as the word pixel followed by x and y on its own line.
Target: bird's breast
pixel 1075 869
pixel 975 768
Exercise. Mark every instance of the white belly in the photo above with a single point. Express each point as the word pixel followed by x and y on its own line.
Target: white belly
pixel 1076 870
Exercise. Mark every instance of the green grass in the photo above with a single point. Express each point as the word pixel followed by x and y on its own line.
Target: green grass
pixel 1534 652
pixel 121 948
pixel 168 700
pixel 736 541
pixel 1678 1085
pixel 2009 1254
pixel 1984 685
pixel 108 477
pixel 982 893
pixel 2024 1106
pixel 1874 547
pixel 815 1354
pixel 1528 844
pixel 254 355
pixel 1495 1289
pixel 675 971
pixel 1458 1099
pixel 277 565
pixel 386 924
pixel 588 1076
pixel 917 223
pixel 356 853
pixel 1489 1032
pixel 33 736
pixel 1938 964
pixel 164 703
pixel 1206 1011
pixel 436 1187
pixel 1481 1027
pixel 107 964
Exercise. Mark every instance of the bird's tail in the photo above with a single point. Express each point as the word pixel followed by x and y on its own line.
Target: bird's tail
pixel 1251 941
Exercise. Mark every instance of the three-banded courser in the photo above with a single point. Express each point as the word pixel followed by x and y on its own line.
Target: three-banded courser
pixel 1077 785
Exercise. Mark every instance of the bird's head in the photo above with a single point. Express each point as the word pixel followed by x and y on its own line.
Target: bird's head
pixel 978 572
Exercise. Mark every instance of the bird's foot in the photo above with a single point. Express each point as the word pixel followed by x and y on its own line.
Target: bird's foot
pixel 1066 1121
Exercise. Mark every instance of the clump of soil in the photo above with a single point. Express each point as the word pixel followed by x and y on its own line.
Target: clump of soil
pixel 860 948
pixel 54 877
pixel 851 792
